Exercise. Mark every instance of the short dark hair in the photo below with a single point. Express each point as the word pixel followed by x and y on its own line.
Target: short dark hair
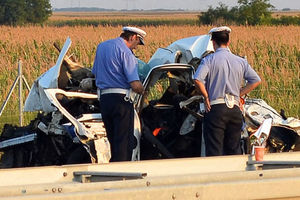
pixel 221 37
pixel 127 34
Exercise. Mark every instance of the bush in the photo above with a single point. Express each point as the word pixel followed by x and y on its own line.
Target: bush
pixel 220 15
pixel 286 20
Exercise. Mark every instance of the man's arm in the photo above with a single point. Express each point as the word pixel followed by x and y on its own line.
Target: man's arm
pixel 252 78
pixel 201 87
pixel 137 87
pixel 248 88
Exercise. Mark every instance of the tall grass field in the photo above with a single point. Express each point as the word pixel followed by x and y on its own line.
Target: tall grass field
pixel 274 52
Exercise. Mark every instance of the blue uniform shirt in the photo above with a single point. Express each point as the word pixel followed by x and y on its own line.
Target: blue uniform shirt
pixel 223 72
pixel 115 65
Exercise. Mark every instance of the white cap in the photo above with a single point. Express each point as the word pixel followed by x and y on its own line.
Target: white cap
pixel 219 29
pixel 140 33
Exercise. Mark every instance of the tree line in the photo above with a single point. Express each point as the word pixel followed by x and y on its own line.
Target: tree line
pixel 248 12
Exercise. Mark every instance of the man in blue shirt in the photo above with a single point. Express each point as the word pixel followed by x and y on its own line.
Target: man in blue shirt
pixel 116 71
pixel 219 78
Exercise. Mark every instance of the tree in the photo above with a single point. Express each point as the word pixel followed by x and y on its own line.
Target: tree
pixel 249 12
pixel 220 15
pixel 254 12
pixel 12 12
pixel 19 12
pixel 40 9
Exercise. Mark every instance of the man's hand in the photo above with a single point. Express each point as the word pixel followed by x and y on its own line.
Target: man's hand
pixel 207 104
pixel 201 87
pixel 248 88
pixel 137 87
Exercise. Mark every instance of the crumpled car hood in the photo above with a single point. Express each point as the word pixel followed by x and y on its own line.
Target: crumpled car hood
pixel 182 51
pixel 37 99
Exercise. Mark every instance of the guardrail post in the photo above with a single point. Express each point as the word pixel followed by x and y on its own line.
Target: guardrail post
pixel 20 93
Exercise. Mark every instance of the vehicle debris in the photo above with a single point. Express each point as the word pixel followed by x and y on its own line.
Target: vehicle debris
pixel 168 117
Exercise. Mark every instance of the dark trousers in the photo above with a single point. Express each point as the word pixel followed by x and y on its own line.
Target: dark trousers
pixel 222 130
pixel 118 116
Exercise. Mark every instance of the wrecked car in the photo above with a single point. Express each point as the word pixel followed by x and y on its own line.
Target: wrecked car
pixel 168 117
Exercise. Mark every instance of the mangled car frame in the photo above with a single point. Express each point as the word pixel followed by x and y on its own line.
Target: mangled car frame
pixel 167 120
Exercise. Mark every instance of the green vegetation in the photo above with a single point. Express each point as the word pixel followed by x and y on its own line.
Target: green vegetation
pixel 286 20
pixel 20 12
pixel 249 12
pixel 122 22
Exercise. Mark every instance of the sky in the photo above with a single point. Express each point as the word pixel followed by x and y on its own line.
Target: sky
pixel 162 4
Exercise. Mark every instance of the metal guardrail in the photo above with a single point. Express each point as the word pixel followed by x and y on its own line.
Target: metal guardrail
pixel 94 176
pixel 262 165
pixel 221 177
